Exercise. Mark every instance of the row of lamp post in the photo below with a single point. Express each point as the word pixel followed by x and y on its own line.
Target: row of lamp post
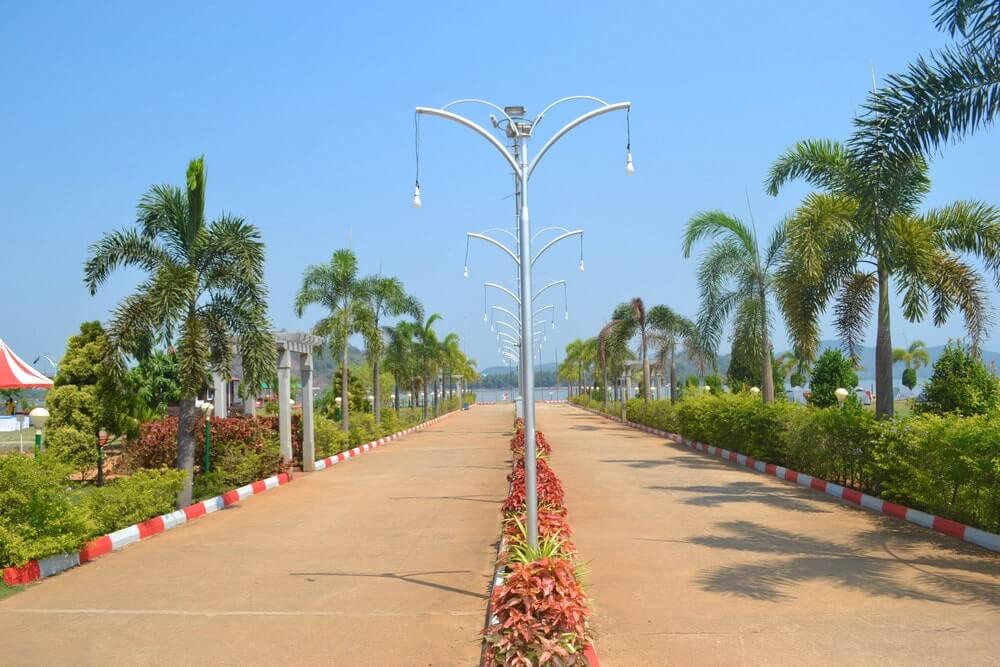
pixel 514 124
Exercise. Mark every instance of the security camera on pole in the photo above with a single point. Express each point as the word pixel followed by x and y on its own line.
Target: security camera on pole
pixel 518 129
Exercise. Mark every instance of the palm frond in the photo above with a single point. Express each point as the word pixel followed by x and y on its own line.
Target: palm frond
pixel 853 310
pixel 820 162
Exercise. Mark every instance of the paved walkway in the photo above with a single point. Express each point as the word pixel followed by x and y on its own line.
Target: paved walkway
pixel 383 560
pixel 696 562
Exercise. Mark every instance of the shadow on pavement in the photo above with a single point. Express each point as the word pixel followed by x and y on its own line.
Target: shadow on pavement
pixel 681 461
pixel 472 499
pixel 746 492
pixel 410 578
pixel 958 576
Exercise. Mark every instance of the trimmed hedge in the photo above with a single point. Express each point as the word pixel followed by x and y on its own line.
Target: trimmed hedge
pixel 947 465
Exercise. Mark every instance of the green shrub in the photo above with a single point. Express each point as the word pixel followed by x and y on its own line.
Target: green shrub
pixel 209 485
pixel 960 383
pixel 37 517
pixel 832 371
pixel 909 378
pixel 73 447
pixel 832 443
pixel 129 500
pixel 714 383
pixel 329 438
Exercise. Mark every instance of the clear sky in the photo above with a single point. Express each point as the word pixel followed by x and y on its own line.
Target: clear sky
pixel 304 113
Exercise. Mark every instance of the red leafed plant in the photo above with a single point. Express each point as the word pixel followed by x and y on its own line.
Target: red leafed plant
pixel 552 524
pixel 541 616
pixel 550 491
pixel 542 446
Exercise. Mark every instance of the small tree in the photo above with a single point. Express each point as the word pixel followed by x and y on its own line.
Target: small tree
pixel 960 383
pixel 910 378
pixel 831 371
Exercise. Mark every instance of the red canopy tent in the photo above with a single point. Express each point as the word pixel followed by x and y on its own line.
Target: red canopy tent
pixel 16 374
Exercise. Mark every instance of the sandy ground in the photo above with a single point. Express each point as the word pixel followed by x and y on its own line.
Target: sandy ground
pixel 697 562
pixel 383 560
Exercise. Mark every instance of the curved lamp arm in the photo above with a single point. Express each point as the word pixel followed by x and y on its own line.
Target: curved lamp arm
pixel 462 120
pixel 567 127
pixel 504 290
pixel 578 232
pixel 488 239
pixel 547 229
pixel 551 284
pixel 509 326
pixel 538 118
pixel 508 312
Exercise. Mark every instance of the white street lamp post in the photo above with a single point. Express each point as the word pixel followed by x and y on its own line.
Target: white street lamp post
pixel 520 129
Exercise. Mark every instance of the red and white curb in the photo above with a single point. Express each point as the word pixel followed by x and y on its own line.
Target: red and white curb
pixel 939 524
pixel 46 567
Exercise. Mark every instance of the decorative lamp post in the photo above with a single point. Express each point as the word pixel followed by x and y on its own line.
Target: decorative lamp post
pixel 841 395
pixel 38 417
pixel 208 408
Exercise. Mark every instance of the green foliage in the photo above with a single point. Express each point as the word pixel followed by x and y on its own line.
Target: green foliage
pixel 714 382
pixel 797 379
pixel 329 438
pixel 909 378
pixel 831 371
pixel 156 383
pixel 960 383
pixel 37 517
pixel 129 500
pixel 209 485
pixel 72 447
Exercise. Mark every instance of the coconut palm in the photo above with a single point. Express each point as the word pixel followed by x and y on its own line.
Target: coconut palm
pixel 571 368
pixel 668 328
pixel 735 280
pixel 205 284
pixel 849 242
pixel 631 320
pixel 947 96
pixel 428 352
pixel 385 297
pixel 914 357
pixel 400 356
pixel 792 365
pixel 451 358
pixel 612 352
pixel 336 287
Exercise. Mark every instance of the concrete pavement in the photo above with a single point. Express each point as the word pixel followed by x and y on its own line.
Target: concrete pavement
pixel 697 562
pixel 384 560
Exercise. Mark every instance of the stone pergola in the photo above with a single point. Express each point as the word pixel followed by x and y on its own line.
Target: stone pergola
pixel 287 344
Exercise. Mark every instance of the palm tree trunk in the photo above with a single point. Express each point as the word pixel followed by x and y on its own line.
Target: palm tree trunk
pixel 395 387
pixel 377 391
pixel 883 348
pixel 673 374
pixel 427 381
pixel 604 394
pixel 186 423
pixel 345 400
pixel 645 371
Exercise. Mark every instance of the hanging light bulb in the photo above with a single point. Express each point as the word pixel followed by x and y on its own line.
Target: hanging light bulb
pixel 553 324
pixel 581 263
pixel 465 273
pixel 629 167
pixel 567 315
pixel 485 319
pixel 416 197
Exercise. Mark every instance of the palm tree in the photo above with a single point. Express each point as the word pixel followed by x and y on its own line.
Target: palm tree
pixel 791 364
pixel 947 96
pixel 849 241
pixel 667 329
pixel 205 283
pixel 630 320
pixel 400 356
pixel 736 278
pixel 613 352
pixel 385 297
pixel 336 287
pixel 913 357
pixel 451 358
pixel 428 351
pixel 571 368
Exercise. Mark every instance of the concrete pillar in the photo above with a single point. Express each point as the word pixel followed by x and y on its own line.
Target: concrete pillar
pixel 284 400
pixel 308 439
pixel 221 391
pixel 250 405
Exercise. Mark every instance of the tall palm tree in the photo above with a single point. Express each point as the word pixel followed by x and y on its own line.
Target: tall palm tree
pixel 791 364
pixel 914 356
pixel 613 352
pixel 736 279
pixel 428 353
pixel 400 356
pixel 631 320
pixel 571 368
pixel 848 242
pixel 667 329
pixel 336 287
pixel 205 283
pixel 451 358
pixel 947 96
pixel 385 297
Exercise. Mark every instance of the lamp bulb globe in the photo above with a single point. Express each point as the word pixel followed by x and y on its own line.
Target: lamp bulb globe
pixel 417 203
pixel 581 265
pixel 629 166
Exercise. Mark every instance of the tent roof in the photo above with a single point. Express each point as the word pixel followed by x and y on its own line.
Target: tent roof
pixel 16 374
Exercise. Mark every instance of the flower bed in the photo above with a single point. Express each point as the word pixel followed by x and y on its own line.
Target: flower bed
pixel 538 609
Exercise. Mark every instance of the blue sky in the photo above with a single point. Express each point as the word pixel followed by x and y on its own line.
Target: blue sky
pixel 305 116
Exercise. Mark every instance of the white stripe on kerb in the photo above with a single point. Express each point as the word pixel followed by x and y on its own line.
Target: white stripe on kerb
pixel 779 472
pixel 320 465
pixel 272 482
pixel 56 564
pixel 213 504
pixel 982 538
pixel 920 518
pixel 174 519
pixel 741 460
pixel 804 480
pixel 871 503
pixel 244 491
pixel 835 490
pixel 124 537
pixel 760 466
